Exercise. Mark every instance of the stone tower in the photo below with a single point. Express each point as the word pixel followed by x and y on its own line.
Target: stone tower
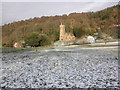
pixel 62 32
pixel 64 36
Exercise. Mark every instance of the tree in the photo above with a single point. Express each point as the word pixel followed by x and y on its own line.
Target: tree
pixel 32 40
pixel 78 32
pixel 43 40
pixel 78 23
pixel 36 40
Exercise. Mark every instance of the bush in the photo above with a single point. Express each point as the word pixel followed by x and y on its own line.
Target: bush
pixel 36 40
pixel 32 40
pixel 78 32
pixel 43 40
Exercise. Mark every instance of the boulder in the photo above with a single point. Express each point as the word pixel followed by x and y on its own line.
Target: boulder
pixel 90 39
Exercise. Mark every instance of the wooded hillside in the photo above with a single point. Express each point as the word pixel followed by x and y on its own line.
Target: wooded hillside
pixel 78 23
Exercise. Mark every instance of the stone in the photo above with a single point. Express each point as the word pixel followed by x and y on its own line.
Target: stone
pixel 90 39
pixel 19 44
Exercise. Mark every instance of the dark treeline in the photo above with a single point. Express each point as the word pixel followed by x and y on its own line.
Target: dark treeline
pixel 78 23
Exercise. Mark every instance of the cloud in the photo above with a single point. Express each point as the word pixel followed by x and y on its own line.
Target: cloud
pixel 60 0
pixel 15 11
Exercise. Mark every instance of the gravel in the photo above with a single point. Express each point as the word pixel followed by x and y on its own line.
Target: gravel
pixel 70 68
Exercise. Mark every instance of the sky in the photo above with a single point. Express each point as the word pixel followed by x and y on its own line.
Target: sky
pixel 24 9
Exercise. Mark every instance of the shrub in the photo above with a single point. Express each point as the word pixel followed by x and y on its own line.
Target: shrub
pixel 32 40
pixel 43 40
pixel 36 40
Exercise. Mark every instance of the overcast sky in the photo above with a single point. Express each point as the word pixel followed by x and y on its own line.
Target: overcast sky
pixel 15 11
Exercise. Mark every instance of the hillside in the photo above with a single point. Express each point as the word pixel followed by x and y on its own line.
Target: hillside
pixel 78 23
